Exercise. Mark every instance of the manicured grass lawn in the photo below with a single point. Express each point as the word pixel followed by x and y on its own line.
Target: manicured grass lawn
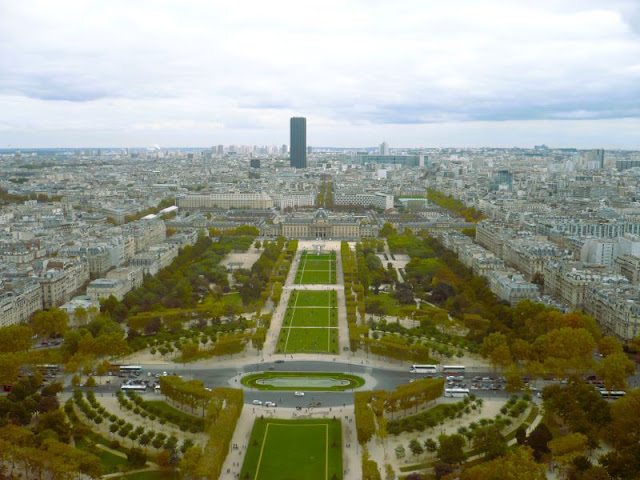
pixel 325 264
pixel 308 340
pixel 313 298
pixel 311 317
pixel 294 449
pixel 109 461
pixel 316 269
pixel 168 409
pixel 318 277
pixel 310 308
pixel 384 303
pixel 303 379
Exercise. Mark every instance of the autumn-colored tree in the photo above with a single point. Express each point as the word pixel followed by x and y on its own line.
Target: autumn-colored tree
pixel 608 345
pixel 518 464
pixel 614 370
pixel 565 448
pixel 15 338
pixel 50 322
pixel 496 349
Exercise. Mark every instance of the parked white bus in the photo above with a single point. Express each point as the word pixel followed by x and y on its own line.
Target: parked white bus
pixel 453 369
pixel 456 392
pixel 134 388
pixel 612 393
pixel 423 369
pixel 130 368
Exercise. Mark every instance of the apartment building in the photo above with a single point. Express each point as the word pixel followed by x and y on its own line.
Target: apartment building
pixel 569 284
pixel 294 199
pixel 617 309
pixel 103 288
pixel 131 276
pixel 629 266
pixel 61 279
pixel 383 201
pixel 225 201
pixel 511 286
pixel 19 299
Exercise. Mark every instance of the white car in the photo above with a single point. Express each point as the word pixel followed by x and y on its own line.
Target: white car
pixel 299 394
pixel 269 404
pixel 257 402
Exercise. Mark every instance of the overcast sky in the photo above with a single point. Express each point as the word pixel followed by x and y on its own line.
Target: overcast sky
pixel 414 73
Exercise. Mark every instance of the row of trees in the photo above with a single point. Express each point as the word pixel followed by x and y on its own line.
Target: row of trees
pixel 222 415
pixel 34 455
pixel 434 416
pixel 371 406
pixel 325 195
pixel 151 410
pixel 470 214
pixel 189 393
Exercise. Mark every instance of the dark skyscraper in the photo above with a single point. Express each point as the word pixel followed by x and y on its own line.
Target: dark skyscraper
pixel 298 143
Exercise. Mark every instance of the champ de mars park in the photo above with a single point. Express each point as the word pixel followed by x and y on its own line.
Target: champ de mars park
pixel 322 360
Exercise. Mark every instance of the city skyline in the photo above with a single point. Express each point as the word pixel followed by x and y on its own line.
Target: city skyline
pixel 417 74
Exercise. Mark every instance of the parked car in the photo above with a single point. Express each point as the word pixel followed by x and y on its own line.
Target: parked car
pixel 257 402
pixel 269 404
pixel 280 361
pixel 299 394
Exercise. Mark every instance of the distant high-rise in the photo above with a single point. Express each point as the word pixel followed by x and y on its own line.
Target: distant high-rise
pixel 220 150
pixel 596 160
pixel 384 148
pixel 298 134
pixel 284 150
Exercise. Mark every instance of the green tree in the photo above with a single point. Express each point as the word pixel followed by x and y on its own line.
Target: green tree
pixel 15 338
pixel 450 448
pixel 416 447
pixel 490 440
pixel 50 322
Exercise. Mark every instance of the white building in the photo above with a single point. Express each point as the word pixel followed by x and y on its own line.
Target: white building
pixel 383 201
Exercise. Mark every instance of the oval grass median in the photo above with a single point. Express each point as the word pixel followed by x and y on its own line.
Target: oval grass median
pixel 311 381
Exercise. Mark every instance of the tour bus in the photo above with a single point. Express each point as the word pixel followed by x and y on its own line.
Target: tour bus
pixel 130 368
pixel 612 393
pixel 423 368
pixel 453 369
pixel 133 387
pixel 456 392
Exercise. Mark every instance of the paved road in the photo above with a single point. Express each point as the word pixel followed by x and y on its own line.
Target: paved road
pixel 378 378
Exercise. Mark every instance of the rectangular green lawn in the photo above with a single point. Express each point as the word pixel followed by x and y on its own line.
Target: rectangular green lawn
pixel 316 269
pixel 313 298
pixel 294 450
pixel 308 340
pixel 315 317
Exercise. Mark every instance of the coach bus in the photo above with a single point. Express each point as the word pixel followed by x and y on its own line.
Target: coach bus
pixel 130 368
pixel 134 387
pixel 456 392
pixel 453 369
pixel 423 368
pixel 612 393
